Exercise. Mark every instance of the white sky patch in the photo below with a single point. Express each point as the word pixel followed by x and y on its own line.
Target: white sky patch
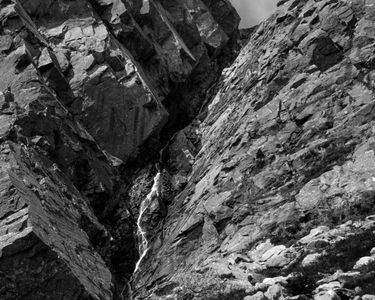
pixel 253 12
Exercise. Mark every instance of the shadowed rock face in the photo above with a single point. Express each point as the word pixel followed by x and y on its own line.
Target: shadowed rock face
pixel 88 82
pixel 116 65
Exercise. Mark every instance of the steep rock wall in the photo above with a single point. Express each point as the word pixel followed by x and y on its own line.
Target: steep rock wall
pixel 278 172
pixel 78 101
pixel 48 229
pixel 268 194
pixel 118 64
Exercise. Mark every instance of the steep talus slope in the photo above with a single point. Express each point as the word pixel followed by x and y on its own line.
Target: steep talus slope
pixel 90 85
pixel 276 179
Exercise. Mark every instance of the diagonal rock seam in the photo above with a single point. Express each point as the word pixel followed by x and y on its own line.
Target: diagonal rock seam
pixel 277 202
pixel 263 171
pixel 60 172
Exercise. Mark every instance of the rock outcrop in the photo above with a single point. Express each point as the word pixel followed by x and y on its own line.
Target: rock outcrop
pixel 87 85
pixel 277 200
pixel 266 187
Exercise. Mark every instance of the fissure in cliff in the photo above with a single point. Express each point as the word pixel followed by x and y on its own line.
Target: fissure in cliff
pixel 268 194
pixel 152 196
pixel 90 81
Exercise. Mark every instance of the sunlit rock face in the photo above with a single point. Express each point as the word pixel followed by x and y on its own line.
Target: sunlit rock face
pixel 277 201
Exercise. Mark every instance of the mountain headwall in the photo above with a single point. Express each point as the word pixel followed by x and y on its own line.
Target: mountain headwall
pixel 87 84
pixel 265 163
pixel 278 195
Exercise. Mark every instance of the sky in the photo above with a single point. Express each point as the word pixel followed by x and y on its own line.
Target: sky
pixel 253 11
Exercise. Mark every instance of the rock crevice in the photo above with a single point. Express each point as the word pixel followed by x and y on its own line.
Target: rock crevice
pixel 265 163
pixel 84 95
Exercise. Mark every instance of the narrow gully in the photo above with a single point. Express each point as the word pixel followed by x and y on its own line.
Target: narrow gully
pixel 141 232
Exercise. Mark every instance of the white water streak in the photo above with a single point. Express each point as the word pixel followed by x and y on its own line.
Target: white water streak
pixel 143 246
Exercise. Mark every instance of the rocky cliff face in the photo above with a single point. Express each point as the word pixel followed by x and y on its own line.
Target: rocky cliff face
pixel 266 175
pixel 278 201
pixel 88 86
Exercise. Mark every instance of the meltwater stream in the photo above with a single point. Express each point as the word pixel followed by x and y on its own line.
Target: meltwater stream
pixel 143 245
pixel 141 232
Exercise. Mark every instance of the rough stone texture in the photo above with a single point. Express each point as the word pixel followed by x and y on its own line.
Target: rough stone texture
pixel 47 227
pixel 115 65
pixel 267 179
pixel 89 83
pixel 282 168
pixel 106 91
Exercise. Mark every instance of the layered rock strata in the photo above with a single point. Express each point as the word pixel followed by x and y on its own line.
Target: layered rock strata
pixel 85 86
pixel 278 173
pixel 267 194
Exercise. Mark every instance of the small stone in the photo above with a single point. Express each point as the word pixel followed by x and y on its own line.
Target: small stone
pixel 45 62
pixel 261 286
pixel 314 233
pixel 358 290
pixel 262 248
pixel 224 272
pixel 27 183
pixel 329 286
pixel 273 252
pixel 275 292
pixel 88 62
pixel 327 295
pixel 5 42
pixel 282 259
pixel 237 258
pixel 88 31
pixel 318 244
pixel 276 280
pixel 101 32
pixel 63 61
pixel 364 263
pixel 55 31
pixel 22 58
pixel 257 296
pixel 311 260
pixel 74 33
